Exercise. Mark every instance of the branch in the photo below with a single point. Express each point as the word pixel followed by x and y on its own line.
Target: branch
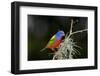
pixel 78 31
pixel 70 29
pixel 71 26
pixel 65 52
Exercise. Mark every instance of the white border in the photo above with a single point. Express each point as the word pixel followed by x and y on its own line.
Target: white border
pixel 26 65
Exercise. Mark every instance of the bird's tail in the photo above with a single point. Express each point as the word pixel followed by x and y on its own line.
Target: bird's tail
pixel 43 49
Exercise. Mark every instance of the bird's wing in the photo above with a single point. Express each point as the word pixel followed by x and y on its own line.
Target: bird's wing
pixel 52 40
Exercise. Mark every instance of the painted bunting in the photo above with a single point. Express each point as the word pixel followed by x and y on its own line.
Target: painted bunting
pixel 55 41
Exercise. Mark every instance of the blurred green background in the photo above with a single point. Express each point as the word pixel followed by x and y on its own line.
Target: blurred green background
pixel 42 28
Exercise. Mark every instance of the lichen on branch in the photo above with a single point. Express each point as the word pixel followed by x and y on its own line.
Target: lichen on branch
pixel 67 48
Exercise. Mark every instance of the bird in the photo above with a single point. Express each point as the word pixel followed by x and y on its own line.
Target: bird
pixel 55 41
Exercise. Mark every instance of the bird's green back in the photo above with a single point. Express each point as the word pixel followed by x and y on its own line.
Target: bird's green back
pixel 52 40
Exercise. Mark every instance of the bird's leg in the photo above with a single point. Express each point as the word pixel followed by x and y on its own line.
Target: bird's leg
pixel 59 46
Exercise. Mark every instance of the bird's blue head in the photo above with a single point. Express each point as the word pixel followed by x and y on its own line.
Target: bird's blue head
pixel 60 34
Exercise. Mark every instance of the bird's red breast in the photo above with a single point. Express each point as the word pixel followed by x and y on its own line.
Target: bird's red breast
pixel 56 44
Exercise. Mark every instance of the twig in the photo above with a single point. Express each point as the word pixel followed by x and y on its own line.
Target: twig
pixel 78 32
pixel 71 26
pixel 70 29
pixel 71 33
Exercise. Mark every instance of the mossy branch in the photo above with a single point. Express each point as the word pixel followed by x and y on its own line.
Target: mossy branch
pixel 67 50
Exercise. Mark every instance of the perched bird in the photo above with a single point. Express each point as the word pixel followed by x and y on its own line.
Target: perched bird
pixel 55 41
